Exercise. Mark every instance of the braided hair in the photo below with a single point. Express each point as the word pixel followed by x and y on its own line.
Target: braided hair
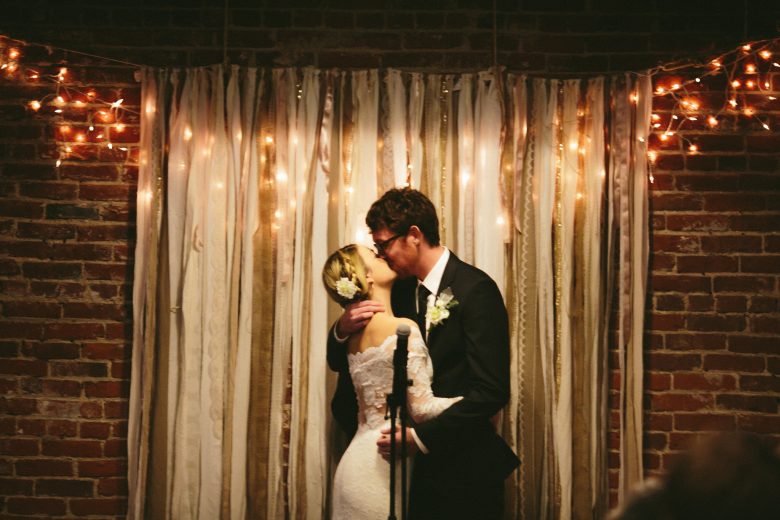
pixel 345 263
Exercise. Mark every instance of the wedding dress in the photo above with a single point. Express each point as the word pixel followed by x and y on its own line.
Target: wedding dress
pixel 362 481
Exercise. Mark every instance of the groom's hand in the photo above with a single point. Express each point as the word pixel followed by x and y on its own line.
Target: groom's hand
pixel 383 443
pixel 356 316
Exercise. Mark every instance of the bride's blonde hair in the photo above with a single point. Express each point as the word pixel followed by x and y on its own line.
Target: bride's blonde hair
pixel 345 263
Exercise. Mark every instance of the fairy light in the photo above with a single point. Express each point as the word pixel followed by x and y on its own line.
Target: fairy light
pixel 66 94
pixel 748 89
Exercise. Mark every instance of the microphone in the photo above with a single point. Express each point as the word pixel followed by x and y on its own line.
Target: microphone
pixel 396 402
pixel 400 381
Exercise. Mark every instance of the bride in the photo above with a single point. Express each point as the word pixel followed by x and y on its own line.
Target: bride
pixel 361 484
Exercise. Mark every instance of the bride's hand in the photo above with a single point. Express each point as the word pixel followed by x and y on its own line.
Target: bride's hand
pixel 383 443
pixel 356 316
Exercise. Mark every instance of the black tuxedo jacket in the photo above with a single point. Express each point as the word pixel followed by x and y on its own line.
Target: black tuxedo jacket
pixel 470 353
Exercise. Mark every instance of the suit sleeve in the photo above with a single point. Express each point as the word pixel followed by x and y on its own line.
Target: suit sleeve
pixel 485 328
pixel 344 403
pixel 337 353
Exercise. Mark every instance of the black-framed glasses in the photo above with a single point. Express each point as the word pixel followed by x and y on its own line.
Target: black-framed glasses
pixel 384 244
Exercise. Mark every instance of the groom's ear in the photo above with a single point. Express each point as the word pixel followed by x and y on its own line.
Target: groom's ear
pixel 416 234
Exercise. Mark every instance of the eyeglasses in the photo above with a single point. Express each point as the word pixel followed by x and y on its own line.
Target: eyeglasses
pixel 384 244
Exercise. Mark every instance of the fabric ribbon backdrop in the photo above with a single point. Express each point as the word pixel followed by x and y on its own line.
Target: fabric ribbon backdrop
pixel 249 178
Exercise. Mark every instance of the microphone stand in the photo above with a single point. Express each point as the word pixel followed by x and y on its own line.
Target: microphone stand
pixel 396 405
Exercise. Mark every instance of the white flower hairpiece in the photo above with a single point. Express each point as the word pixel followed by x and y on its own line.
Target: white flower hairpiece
pixel 346 288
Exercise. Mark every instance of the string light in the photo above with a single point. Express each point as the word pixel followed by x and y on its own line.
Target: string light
pixel 65 95
pixel 747 71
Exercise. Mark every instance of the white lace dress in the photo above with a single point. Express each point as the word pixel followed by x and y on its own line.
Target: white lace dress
pixel 362 481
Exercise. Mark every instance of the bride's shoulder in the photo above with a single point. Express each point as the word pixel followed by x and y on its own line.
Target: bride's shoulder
pixel 381 326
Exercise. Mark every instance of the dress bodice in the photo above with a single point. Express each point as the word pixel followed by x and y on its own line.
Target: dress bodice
pixel 372 376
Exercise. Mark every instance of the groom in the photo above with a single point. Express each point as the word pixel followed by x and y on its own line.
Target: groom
pixel 461 462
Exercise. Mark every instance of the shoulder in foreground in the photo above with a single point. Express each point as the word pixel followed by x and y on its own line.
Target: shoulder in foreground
pixel 382 326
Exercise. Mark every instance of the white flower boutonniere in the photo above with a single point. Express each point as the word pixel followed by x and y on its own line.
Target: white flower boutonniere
pixel 440 310
pixel 346 288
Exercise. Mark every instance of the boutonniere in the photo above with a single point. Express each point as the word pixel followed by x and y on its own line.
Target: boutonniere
pixel 440 310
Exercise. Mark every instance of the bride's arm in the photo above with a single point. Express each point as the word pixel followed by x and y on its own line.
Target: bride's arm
pixel 422 404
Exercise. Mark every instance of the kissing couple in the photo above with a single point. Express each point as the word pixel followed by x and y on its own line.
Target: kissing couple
pixel 458 364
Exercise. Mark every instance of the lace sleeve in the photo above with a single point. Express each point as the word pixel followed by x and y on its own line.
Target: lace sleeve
pixel 423 405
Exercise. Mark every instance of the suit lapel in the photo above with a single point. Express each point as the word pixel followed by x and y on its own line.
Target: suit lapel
pixel 448 276
pixel 447 279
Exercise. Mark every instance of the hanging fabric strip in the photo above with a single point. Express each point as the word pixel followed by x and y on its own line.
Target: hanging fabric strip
pixel 592 276
pixel 448 182
pixel 432 160
pixel 414 129
pixel 466 168
pixel 621 156
pixel 317 122
pixel 283 87
pixel 149 206
pixel 243 132
pixel 569 178
pixel 394 130
pixel 263 310
pixel 545 150
pixel 638 231
pixel 490 218
pixel 365 182
pixel 186 439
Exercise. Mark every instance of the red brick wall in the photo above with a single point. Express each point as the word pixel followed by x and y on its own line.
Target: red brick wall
pixel 66 236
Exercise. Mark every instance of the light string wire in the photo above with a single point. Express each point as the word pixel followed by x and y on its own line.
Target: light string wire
pixel 747 70
pixel 743 88
pixel 101 117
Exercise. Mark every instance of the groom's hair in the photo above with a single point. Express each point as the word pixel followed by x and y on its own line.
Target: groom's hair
pixel 401 208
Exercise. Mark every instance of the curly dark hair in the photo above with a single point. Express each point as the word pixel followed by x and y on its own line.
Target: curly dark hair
pixel 401 208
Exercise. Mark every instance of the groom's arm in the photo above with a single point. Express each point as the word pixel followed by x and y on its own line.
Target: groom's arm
pixel 344 404
pixel 485 327
pixel 354 318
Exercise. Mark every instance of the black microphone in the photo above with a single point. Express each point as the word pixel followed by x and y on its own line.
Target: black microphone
pixel 400 380
pixel 396 402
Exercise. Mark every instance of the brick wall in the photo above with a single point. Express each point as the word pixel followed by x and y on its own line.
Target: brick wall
pixel 66 235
